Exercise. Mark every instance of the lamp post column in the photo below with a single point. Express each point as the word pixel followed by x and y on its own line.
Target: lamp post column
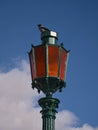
pixel 49 106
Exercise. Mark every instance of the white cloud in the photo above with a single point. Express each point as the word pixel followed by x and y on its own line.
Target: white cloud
pixel 18 110
pixel 65 119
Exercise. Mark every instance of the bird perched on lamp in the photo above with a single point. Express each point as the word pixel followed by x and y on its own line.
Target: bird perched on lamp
pixel 42 28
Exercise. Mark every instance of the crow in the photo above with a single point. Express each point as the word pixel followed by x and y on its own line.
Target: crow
pixel 42 29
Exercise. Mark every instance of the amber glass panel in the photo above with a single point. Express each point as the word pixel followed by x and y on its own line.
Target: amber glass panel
pixel 40 61
pixel 53 58
pixel 63 64
pixel 32 65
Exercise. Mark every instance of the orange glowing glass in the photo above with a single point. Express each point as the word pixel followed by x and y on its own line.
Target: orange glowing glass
pixel 40 61
pixel 32 65
pixel 63 64
pixel 53 58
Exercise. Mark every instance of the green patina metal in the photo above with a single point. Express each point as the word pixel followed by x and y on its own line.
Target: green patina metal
pixel 48 85
pixel 49 37
pixel 49 106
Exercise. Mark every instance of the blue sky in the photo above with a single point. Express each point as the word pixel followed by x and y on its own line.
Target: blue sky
pixel 76 22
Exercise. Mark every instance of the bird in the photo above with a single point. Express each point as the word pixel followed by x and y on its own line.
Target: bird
pixel 42 28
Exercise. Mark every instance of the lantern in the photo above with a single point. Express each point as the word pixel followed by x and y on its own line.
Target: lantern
pixel 48 63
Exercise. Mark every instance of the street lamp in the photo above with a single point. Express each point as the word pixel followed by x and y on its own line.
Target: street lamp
pixel 48 63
